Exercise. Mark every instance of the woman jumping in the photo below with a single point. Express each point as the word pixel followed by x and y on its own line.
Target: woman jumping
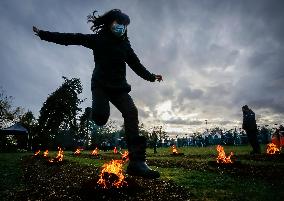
pixel 112 50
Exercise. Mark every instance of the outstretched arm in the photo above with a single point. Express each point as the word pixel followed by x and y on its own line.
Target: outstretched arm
pixel 65 38
pixel 135 64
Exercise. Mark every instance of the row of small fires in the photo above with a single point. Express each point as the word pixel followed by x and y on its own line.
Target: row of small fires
pixel 112 172
pixel 271 148
pixel 95 152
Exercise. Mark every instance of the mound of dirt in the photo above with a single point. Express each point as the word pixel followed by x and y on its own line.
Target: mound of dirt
pixel 70 181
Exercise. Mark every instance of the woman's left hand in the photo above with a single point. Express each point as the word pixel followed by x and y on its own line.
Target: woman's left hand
pixel 159 78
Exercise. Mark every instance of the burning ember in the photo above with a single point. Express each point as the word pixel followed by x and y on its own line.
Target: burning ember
pixel 77 152
pixel 115 150
pixel 112 175
pixel 59 156
pixel 45 153
pixel 222 158
pixel 272 149
pixel 37 153
pixel 95 152
pixel 125 156
pixel 175 151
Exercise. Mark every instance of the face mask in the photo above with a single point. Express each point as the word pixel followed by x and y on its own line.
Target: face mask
pixel 118 29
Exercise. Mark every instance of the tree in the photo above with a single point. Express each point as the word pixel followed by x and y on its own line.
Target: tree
pixel 8 114
pixel 153 139
pixel 29 122
pixel 84 134
pixel 59 112
pixel 158 134
pixel 122 131
pixel 28 119
pixel 143 131
pixel 161 133
pixel 107 133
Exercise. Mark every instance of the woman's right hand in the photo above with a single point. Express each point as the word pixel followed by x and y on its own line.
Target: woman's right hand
pixel 36 30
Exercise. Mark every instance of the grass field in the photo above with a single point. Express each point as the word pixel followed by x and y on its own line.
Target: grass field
pixel 254 178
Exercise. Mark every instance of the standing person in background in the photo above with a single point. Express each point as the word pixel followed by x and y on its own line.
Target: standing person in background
pixel 249 125
pixel 281 132
pixel 112 50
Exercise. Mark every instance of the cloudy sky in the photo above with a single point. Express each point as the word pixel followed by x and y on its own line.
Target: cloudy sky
pixel 214 55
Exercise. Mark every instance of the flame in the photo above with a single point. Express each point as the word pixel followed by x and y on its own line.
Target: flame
pixel 95 152
pixel 112 175
pixel 175 151
pixel 125 156
pixel 222 158
pixel 77 152
pixel 45 153
pixel 37 153
pixel 59 156
pixel 115 150
pixel 271 148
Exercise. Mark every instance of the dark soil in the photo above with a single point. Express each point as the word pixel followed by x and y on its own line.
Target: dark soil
pixel 70 181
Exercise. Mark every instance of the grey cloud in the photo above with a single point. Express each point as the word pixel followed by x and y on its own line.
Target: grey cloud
pixel 186 122
pixel 142 113
pixel 262 87
pixel 187 91
pixel 215 56
pixel 223 122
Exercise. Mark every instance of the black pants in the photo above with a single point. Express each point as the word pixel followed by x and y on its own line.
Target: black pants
pixel 123 102
pixel 252 138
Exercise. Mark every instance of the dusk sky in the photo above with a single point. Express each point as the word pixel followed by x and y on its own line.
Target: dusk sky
pixel 214 55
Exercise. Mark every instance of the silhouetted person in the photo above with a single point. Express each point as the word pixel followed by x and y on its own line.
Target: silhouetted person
pixel 249 125
pixel 276 137
pixel 112 50
pixel 281 132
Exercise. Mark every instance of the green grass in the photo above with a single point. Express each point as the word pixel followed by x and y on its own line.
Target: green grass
pixel 210 150
pixel 214 186
pixel 83 160
pixel 203 184
pixel 10 172
pixel 208 185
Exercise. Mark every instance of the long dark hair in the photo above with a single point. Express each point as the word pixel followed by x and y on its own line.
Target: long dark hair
pixel 102 22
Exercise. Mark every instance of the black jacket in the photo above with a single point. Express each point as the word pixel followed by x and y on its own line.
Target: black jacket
pixel 110 55
pixel 249 123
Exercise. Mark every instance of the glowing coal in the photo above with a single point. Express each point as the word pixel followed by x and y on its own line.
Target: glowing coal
pixel 59 157
pixel 95 152
pixel 112 175
pixel 271 148
pixel 125 156
pixel 45 154
pixel 37 153
pixel 77 152
pixel 175 151
pixel 222 158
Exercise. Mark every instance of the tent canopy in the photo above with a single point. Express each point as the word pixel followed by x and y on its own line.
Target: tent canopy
pixel 16 129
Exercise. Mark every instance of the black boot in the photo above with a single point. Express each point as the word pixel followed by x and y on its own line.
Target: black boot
pixel 137 159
